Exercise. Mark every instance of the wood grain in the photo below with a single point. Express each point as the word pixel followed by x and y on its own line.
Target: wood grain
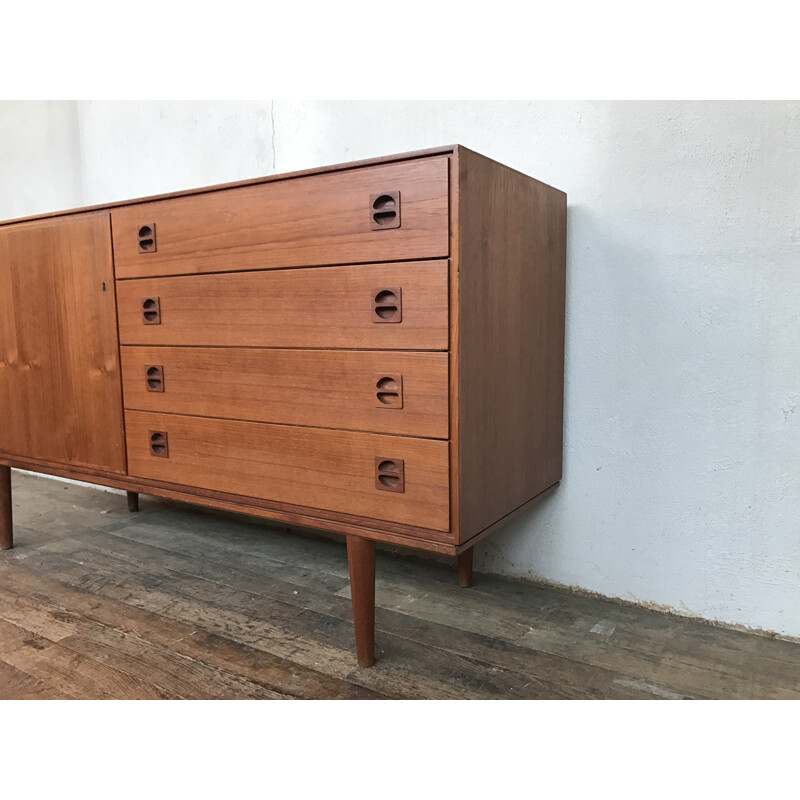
pixel 333 470
pixel 283 318
pixel 313 629
pixel 327 307
pixel 361 560
pixel 512 269
pixel 322 388
pixel 17 685
pixel 301 173
pixel 67 672
pixel 503 521
pixel 273 607
pixel 313 220
pixel 402 535
pixel 60 397
pixel 175 677
pixel 464 568
pixel 453 349
pixel 48 594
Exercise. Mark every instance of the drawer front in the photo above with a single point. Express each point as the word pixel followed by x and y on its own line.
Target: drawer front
pixel 380 391
pixel 336 307
pixel 309 467
pixel 313 220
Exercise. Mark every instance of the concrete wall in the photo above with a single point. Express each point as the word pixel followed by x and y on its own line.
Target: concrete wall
pixel 681 477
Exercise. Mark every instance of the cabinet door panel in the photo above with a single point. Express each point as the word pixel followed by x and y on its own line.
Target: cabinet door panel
pixel 60 393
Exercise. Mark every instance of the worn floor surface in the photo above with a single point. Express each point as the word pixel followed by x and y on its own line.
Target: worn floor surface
pixel 175 602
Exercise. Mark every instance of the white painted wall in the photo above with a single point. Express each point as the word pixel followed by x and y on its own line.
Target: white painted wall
pixel 682 462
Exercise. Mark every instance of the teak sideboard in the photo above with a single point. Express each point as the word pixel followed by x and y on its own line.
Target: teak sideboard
pixel 374 349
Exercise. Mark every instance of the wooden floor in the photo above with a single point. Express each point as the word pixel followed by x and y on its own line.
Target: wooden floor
pixel 176 602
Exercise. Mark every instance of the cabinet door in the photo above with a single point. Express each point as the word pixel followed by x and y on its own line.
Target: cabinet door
pixel 60 392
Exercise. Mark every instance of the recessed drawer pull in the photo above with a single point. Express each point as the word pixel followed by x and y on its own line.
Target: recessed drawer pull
pixel 390 474
pixel 159 445
pixel 147 238
pixel 389 391
pixel 154 377
pixel 387 304
pixel 384 209
pixel 151 311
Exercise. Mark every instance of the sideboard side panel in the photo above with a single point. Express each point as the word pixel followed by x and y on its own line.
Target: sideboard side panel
pixel 512 270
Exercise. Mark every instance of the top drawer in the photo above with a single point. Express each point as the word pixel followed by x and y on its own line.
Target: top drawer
pixel 336 218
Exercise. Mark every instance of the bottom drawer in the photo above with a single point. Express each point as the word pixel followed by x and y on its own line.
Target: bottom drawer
pixel 392 478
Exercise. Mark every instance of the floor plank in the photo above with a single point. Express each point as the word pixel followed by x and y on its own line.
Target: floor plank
pixel 286 629
pixel 18 685
pixel 70 673
pixel 552 675
pixel 280 675
pixel 180 602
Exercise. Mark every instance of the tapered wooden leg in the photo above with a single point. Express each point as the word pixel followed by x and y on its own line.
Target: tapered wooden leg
pixel 464 562
pixel 133 501
pixel 6 527
pixel 361 559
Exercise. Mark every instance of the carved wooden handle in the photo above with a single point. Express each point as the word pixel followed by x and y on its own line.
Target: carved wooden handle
pixel 159 444
pixel 146 236
pixel 390 474
pixel 389 391
pixel 384 210
pixel 151 310
pixel 154 378
pixel 387 304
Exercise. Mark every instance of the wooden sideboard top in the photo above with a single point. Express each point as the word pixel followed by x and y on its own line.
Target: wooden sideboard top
pixel 366 162
pixel 433 151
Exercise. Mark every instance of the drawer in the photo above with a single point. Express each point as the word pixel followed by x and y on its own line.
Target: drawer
pixel 310 467
pixel 306 221
pixel 401 306
pixel 381 391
